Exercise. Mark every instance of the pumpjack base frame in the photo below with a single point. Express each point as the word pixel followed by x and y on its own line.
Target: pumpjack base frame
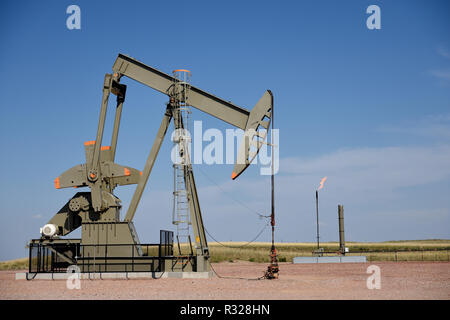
pixel 57 256
pixel 115 275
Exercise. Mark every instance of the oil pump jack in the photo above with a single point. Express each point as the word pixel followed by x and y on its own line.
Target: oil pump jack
pixel 107 243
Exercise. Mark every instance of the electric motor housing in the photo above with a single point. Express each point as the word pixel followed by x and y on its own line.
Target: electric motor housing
pixel 49 230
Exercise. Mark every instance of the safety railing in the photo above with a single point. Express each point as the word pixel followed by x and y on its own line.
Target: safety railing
pixel 45 257
pixel 57 256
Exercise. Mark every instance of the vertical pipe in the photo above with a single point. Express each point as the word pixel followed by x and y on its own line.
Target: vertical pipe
pixel 174 203
pixel 317 217
pixel 272 181
pixel 341 229
pixel 29 259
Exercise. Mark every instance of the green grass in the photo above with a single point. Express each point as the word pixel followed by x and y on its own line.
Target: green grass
pixel 17 264
pixel 259 251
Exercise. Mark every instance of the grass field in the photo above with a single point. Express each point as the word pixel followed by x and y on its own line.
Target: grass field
pixel 408 250
pixel 16 264
pixel 412 250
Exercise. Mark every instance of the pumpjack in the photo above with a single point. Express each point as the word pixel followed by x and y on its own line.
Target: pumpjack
pixel 109 244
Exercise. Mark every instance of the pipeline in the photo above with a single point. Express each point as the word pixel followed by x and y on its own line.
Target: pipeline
pixel 272 269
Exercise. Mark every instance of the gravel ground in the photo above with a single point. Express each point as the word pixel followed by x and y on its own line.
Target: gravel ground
pixel 399 280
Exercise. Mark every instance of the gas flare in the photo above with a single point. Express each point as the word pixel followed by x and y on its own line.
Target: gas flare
pixel 322 182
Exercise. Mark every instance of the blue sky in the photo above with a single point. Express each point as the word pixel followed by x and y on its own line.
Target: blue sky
pixel 370 109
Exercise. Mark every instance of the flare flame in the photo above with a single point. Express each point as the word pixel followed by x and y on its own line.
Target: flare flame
pixel 322 182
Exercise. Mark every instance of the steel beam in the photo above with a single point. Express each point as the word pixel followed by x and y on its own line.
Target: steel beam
pixel 149 164
pixel 199 99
